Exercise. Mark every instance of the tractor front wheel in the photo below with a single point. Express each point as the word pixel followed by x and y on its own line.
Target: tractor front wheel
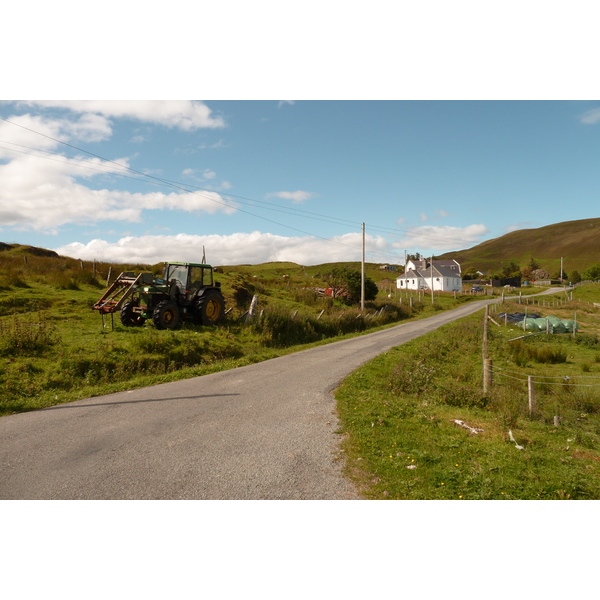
pixel 128 317
pixel 166 315
pixel 210 308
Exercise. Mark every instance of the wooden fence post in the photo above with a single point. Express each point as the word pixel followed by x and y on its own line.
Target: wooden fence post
pixel 487 375
pixel 252 307
pixel 531 395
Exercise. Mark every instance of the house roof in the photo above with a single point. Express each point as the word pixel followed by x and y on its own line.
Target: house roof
pixel 424 264
pixel 438 271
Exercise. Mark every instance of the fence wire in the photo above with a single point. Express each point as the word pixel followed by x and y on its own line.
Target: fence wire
pixel 566 380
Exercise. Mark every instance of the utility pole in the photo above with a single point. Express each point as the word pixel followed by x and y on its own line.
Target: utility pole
pixel 487 362
pixel 431 267
pixel 362 273
pixel 405 289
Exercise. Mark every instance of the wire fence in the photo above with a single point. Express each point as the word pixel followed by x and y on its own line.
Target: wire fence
pixel 565 380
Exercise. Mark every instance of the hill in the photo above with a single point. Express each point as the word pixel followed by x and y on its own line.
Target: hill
pixel 21 249
pixel 577 242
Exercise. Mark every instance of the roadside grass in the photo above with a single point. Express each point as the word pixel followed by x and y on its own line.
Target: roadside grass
pixel 399 415
pixel 54 347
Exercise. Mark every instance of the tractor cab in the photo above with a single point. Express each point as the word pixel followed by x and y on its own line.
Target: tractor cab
pixel 189 277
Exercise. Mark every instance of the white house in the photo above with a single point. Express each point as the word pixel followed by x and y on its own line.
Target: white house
pixel 442 277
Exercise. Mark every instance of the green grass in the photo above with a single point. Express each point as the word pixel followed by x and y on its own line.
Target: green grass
pixel 398 413
pixel 54 347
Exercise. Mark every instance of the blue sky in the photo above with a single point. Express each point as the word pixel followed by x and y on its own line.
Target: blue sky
pixel 255 181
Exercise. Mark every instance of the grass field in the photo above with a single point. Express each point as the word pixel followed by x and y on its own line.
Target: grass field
pixel 404 414
pixel 54 348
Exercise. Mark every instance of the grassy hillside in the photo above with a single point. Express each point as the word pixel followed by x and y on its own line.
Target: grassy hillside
pixel 54 348
pixel 577 242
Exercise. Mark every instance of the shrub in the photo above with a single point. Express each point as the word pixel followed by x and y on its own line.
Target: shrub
pixel 523 353
pixel 462 395
pixel 26 335
pixel 414 376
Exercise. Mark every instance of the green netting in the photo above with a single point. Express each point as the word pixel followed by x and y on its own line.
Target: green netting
pixel 550 323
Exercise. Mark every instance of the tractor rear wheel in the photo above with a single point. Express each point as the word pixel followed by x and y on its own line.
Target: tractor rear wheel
pixel 128 317
pixel 210 308
pixel 166 315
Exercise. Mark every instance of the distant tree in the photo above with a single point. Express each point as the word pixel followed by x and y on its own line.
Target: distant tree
pixel 575 277
pixel 533 264
pixel 512 269
pixel 592 272
pixel 343 278
pixel 526 273
pixel 557 275
pixel 336 279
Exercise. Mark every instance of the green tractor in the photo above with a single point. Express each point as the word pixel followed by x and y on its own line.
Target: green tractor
pixel 186 291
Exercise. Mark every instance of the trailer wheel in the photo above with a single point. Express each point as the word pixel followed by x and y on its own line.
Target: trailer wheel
pixel 210 308
pixel 166 315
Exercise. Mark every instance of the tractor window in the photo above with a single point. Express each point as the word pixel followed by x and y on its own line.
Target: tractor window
pixel 196 277
pixel 178 272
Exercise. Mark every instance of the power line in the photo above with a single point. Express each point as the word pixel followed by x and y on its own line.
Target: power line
pixel 241 199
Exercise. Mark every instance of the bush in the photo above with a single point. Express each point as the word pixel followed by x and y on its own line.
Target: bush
pixel 523 353
pixel 414 376
pixel 26 336
pixel 463 395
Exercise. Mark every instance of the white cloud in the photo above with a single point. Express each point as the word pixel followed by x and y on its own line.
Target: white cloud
pixel 205 175
pixel 234 249
pixel 438 214
pixel 442 237
pixel 43 195
pixel 46 134
pixel 182 114
pixel 41 189
pixel 297 197
pixel 591 117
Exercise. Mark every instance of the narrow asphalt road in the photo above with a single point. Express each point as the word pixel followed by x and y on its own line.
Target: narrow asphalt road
pixel 265 431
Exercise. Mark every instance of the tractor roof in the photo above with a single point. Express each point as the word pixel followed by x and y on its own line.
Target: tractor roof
pixel 187 264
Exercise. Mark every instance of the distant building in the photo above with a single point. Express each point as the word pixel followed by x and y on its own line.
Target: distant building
pixel 443 276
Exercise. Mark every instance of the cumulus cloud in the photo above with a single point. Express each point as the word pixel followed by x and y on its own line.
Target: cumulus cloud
pixel 35 131
pixel 441 238
pixel 234 249
pixel 297 197
pixel 182 114
pixel 591 117
pixel 437 214
pixel 41 189
pixel 44 195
